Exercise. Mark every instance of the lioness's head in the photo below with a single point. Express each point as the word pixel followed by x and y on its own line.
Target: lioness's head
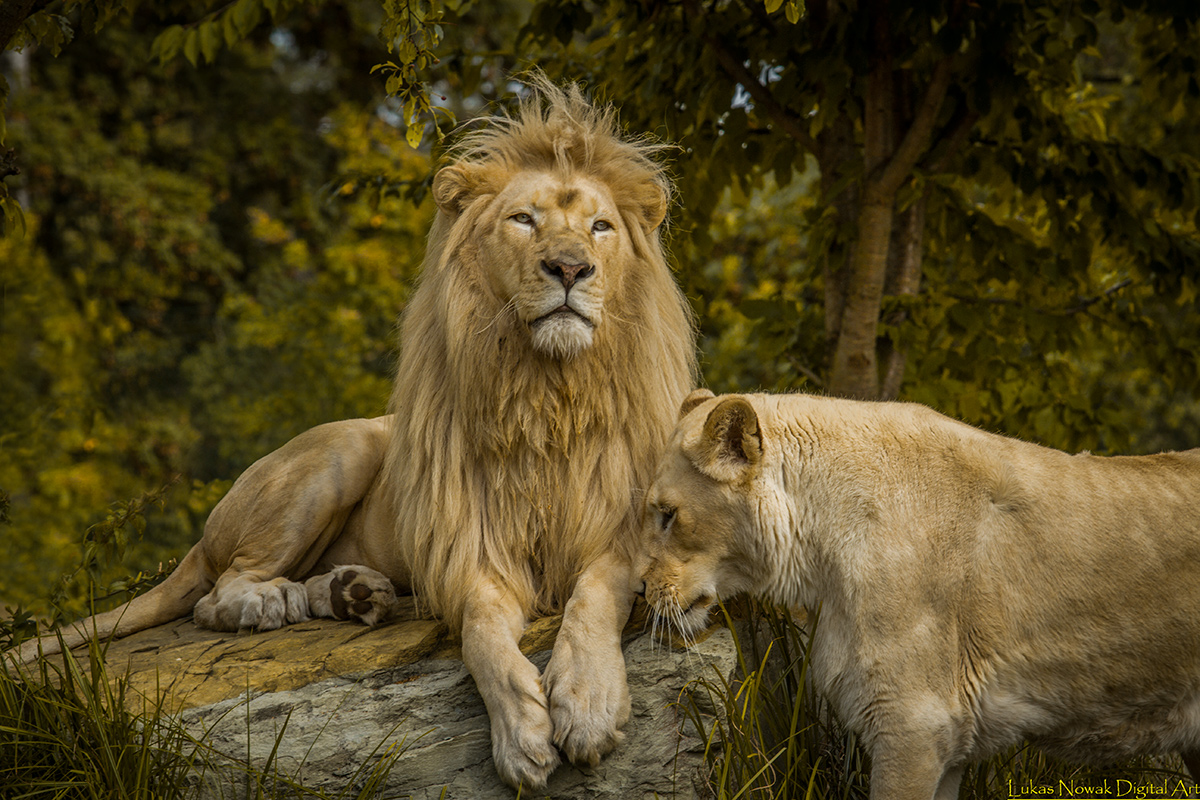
pixel 701 538
pixel 558 207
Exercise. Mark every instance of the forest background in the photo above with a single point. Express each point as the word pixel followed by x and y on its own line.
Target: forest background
pixel 214 212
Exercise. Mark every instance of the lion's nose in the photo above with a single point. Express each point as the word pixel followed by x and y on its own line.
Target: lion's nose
pixel 568 273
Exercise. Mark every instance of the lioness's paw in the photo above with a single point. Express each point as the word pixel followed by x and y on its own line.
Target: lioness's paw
pixel 521 745
pixel 589 703
pixel 252 605
pixel 352 592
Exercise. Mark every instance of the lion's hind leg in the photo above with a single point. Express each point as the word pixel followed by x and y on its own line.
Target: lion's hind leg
pixel 352 592
pixel 245 602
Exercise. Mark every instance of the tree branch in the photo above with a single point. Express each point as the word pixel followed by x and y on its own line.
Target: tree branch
pixel 1083 305
pixel 13 14
pixel 916 138
pixel 736 69
pixel 951 139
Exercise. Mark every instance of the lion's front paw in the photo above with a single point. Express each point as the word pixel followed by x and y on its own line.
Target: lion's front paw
pixel 589 702
pixel 521 744
pixel 352 592
pixel 243 604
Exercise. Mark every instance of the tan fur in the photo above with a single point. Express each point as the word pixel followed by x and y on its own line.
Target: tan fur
pixel 543 355
pixel 974 590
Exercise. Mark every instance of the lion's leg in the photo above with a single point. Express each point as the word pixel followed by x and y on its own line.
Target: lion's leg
pixel 585 679
pixel 521 745
pixel 280 518
pixel 244 601
pixel 352 592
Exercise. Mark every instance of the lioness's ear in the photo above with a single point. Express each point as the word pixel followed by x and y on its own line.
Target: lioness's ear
pixel 694 399
pixel 455 185
pixel 731 443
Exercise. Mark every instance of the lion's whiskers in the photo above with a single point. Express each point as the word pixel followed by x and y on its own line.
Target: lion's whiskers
pixel 509 307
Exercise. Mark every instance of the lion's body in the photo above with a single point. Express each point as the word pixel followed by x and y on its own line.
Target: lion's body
pixel 974 590
pixel 520 460
pixel 543 355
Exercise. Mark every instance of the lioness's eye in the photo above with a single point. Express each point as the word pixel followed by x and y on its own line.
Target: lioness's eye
pixel 601 225
pixel 522 218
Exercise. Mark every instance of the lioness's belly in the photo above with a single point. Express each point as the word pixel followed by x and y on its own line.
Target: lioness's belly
pixel 1101 723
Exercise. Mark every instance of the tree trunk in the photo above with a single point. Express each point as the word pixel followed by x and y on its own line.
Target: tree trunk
pixel 855 367
pixel 835 153
pixel 855 370
pixel 903 280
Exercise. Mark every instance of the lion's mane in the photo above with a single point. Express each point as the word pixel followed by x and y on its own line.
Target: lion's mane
pixel 500 455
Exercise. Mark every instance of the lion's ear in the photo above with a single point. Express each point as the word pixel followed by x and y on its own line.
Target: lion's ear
pixel 653 202
pixel 695 398
pixel 730 447
pixel 455 185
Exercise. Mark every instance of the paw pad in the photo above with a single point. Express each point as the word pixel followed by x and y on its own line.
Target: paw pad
pixel 366 596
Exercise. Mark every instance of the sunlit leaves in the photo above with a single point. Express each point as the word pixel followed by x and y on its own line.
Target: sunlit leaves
pixel 793 10
pixel 412 30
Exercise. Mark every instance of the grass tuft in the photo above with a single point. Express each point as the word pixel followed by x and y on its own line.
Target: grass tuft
pixel 70 731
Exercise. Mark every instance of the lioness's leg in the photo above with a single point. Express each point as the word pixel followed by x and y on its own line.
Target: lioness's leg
pixel 948 789
pixel 905 764
pixel 509 684
pixel 585 679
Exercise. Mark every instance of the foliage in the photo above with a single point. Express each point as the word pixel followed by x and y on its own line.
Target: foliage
pixel 189 263
pixel 1043 233
pixel 766 735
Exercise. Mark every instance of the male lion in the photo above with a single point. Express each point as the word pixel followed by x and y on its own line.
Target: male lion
pixel 974 590
pixel 543 355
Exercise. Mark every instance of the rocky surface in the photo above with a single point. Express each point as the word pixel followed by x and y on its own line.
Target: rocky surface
pixel 324 703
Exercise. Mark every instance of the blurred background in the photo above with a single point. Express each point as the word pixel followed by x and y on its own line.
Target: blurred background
pixel 214 213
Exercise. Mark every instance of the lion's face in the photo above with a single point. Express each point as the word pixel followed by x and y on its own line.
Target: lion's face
pixel 699 523
pixel 554 246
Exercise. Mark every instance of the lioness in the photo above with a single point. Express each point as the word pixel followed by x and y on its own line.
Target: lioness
pixel 543 355
pixel 974 590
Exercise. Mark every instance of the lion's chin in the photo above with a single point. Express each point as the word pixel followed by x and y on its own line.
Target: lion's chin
pixel 562 334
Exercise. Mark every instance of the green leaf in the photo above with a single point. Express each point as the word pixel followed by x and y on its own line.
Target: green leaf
pixel 191 46
pixel 210 41
pixel 773 5
pixel 166 45
pixel 414 134
pixel 14 217
pixel 246 14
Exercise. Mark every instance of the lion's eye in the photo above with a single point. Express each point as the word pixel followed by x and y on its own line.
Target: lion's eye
pixel 666 516
pixel 522 218
pixel 601 225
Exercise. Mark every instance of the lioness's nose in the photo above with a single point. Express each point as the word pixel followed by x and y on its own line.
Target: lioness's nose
pixel 567 272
